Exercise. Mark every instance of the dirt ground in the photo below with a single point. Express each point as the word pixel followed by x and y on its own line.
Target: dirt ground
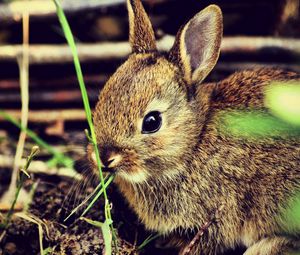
pixel 54 198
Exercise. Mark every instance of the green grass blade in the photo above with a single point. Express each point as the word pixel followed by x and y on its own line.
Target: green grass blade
pixel 107 236
pixel 147 241
pixel 60 158
pixel 110 179
pixel 105 227
pixel 20 182
pixel 85 200
pixel 70 39
pixel 95 223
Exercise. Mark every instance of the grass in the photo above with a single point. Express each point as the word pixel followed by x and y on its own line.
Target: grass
pixel 98 191
pixel 57 156
pixel 105 227
pixel 148 240
pixel 23 175
pixel 92 136
pixel 253 124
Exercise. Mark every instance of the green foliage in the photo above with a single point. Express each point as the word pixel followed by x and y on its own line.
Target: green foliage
pixel 91 134
pixel 253 124
pixel 47 251
pixel 284 101
pixel 147 241
pixel 23 175
pixel 58 157
pixel 69 37
pixel 292 213
pixel 99 193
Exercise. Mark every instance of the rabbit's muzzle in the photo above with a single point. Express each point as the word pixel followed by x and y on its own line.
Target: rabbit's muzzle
pixel 121 161
pixel 110 157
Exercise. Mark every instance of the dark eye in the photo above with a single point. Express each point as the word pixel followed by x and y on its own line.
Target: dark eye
pixel 152 122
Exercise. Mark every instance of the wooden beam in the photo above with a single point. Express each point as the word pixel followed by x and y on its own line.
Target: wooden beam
pixel 47 116
pixel 39 167
pixel 239 66
pixel 100 51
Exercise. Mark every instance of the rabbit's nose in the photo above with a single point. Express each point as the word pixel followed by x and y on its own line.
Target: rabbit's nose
pixel 110 157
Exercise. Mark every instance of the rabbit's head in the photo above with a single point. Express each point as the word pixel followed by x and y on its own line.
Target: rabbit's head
pixel 145 119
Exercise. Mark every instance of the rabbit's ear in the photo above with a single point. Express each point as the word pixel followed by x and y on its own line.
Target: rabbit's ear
pixel 197 44
pixel 141 34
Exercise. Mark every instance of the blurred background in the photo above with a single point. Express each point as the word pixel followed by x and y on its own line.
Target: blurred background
pixel 256 33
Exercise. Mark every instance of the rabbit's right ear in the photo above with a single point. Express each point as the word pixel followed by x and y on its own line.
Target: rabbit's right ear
pixel 197 45
pixel 141 34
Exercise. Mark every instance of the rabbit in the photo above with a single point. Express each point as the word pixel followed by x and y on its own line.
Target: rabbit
pixel 158 129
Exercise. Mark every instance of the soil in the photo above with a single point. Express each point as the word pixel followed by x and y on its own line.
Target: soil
pixel 54 198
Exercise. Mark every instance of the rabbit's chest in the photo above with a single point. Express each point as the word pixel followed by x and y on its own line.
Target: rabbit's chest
pixel 165 208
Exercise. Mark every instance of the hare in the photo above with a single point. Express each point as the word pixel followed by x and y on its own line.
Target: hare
pixel 157 128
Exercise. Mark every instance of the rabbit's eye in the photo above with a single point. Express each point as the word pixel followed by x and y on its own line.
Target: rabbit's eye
pixel 152 122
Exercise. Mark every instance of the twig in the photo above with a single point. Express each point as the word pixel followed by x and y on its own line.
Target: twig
pixel 23 62
pixel 34 219
pixel 202 230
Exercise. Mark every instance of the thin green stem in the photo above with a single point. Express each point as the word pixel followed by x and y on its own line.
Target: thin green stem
pixel 64 160
pixel 70 39
pixel 23 175
pixel 110 179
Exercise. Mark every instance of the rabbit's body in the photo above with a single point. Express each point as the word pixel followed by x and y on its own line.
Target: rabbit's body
pixel 252 179
pixel 163 134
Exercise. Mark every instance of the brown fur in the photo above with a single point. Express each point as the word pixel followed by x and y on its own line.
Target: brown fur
pixel 176 178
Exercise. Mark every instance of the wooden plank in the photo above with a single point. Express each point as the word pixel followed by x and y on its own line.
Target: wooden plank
pixel 100 51
pixel 48 96
pixel 239 66
pixel 68 82
pixel 47 116
pixel 39 167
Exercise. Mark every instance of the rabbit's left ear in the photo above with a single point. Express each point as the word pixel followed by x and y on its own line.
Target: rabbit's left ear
pixel 197 45
pixel 141 34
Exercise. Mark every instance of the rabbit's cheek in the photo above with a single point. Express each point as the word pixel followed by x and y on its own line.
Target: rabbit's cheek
pixel 154 143
pixel 136 175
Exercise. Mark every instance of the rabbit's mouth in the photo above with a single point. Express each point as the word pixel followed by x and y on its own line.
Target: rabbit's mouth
pixel 123 163
pixel 108 169
pixel 112 170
